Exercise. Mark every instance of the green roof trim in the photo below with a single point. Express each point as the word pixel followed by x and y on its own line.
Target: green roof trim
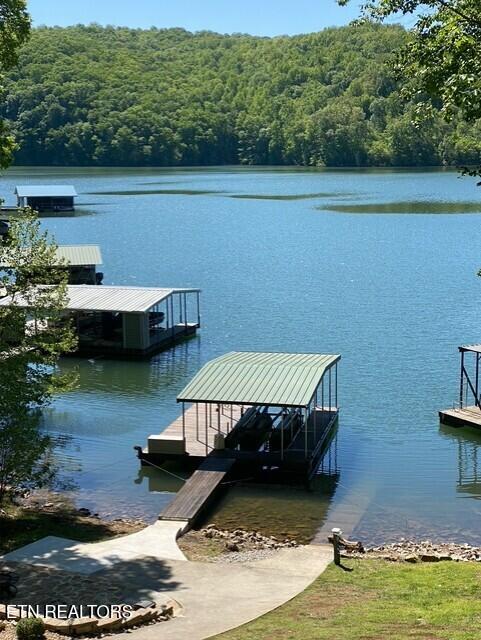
pixel 256 378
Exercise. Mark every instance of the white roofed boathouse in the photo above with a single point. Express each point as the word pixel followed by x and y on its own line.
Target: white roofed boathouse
pixel 46 197
pixel 80 261
pixel 128 322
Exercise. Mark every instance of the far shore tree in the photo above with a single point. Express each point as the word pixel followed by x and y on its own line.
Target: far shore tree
pixel 439 64
pixel 31 341
pixel 14 31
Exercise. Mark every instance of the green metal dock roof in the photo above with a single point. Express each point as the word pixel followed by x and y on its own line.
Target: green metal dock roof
pixel 256 378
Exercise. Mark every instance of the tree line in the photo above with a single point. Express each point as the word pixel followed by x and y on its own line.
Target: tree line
pixel 89 95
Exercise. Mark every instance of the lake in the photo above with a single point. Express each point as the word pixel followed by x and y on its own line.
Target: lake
pixel 379 266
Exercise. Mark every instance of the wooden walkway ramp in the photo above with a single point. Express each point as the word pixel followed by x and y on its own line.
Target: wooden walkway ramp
pixel 198 490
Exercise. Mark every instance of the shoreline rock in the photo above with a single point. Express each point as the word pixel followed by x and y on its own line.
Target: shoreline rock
pixel 241 540
pixel 419 551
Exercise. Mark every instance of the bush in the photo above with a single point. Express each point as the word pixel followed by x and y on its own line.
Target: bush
pixel 30 629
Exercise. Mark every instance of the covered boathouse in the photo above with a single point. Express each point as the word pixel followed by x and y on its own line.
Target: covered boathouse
pixel 82 261
pixel 128 321
pixel 79 260
pixel 265 412
pixel 46 197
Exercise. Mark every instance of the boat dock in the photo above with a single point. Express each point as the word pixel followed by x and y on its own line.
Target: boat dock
pixel 127 322
pixel 260 415
pixel 467 411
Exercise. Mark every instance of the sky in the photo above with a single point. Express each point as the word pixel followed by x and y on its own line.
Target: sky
pixel 257 17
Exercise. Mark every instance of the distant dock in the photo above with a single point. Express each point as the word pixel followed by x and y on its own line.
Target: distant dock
pixel 467 411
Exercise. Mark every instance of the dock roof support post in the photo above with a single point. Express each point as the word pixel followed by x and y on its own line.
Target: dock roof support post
pixel 218 418
pixel 335 397
pixel 305 431
pixel 167 314
pixel 198 308
pixel 282 435
pixel 477 378
pixel 172 314
pixel 315 417
pixel 206 432
pixel 461 381
pixel 183 420
pixel 197 420
pixel 322 395
pixel 330 402
pixel 185 309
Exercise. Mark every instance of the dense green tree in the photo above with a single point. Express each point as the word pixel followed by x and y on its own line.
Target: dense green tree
pixel 14 30
pixel 441 56
pixel 89 95
pixel 30 344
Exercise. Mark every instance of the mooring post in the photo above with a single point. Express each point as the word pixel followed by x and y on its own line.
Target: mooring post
pixel 336 539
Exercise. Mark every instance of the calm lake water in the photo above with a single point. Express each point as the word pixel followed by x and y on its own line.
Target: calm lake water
pixel 379 266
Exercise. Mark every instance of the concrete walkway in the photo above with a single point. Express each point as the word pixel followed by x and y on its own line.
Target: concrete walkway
pixel 219 597
pixel 215 597
pixel 155 541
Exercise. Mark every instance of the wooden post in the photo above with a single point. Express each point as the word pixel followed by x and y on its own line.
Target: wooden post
pixel 336 538
pixel 198 309
pixel 185 310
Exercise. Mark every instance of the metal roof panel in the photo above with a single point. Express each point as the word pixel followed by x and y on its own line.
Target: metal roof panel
pixel 276 379
pixel 45 190
pixel 110 298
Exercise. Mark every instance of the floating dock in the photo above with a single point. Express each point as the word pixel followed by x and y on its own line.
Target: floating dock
pixel 261 415
pixel 467 411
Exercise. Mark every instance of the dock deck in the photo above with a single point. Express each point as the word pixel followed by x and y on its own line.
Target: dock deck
pixel 198 490
pixel 201 422
pixel 467 416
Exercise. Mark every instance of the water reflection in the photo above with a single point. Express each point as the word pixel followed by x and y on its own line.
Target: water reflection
pixel 137 377
pixel 468 444
pixel 287 197
pixel 157 192
pixel 408 206
pixel 280 510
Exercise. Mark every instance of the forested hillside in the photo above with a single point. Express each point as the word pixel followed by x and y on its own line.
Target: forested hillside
pixel 117 96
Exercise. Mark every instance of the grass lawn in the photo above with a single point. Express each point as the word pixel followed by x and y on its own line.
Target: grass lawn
pixel 379 600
